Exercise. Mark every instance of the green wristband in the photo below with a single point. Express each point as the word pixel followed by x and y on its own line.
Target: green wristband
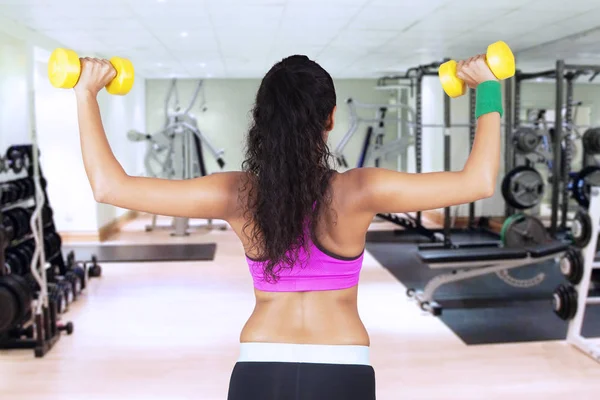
pixel 489 98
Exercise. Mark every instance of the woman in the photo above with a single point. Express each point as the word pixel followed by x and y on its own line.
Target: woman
pixel 302 225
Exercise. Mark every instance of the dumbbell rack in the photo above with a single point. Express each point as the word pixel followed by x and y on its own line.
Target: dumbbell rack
pixel 42 329
pixel 584 299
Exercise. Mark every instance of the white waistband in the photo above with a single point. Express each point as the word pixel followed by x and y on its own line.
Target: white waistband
pixel 304 353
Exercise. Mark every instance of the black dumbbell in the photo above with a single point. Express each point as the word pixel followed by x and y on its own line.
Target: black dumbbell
pixel 47 215
pixel 13 263
pixel 57 296
pixel 16 159
pixel 24 220
pixel 57 242
pixel 68 327
pixel 26 256
pixel 28 188
pixel 9 229
pixel 22 189
pixel 20 222
pixel 94 270
pixel 9 192
pixel 79 271
pixel 19 265
pixel 4 196
pixel 49 244
pixel 75 282
pixel 67 289
pixel 52 243
pixel 11 220
pixel 33 284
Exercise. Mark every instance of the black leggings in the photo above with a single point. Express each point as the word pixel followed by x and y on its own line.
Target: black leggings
pixel 301 381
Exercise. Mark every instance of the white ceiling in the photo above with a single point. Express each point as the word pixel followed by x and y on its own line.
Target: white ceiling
pixel 350 38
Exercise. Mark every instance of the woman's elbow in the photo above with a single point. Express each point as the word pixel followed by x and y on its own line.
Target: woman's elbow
pixel 487 188
pixel 481 186
pixel 103 193
pixel 488 192
pixel 100 195
pixel 105 190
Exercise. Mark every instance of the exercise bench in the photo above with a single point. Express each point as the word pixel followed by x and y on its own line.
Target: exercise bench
pixel 467 263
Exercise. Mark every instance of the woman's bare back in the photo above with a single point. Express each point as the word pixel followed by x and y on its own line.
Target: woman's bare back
pixel 317 317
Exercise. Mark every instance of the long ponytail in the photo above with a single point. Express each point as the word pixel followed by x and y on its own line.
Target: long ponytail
pixel 287 159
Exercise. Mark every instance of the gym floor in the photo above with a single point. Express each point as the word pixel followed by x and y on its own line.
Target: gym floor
pixel 171 331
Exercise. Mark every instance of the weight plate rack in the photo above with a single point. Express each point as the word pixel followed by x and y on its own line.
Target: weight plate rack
pixel 31 307
pixel 581 268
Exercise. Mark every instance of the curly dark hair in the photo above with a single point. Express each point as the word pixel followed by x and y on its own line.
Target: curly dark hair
pixel 288 161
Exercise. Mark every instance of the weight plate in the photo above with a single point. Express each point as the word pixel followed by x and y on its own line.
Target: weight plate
pixel 571 265
pixel 523 231
pixel 566 264
pixel 591 141
pixel 523 188
pixel 506 224
pixel 526 140
pixel 582 184
pixel 581 229
pixel 564 302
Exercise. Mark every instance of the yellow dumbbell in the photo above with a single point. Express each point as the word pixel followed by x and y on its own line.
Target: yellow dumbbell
pixel 64 68
pixel 499 58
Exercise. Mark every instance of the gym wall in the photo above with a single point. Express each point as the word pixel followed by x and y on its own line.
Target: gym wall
pixel 23 64
pixel 229 103
pixel 14 119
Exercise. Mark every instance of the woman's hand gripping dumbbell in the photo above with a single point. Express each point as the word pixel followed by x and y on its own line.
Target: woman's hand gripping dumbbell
pixel 499 60
pixel 66 70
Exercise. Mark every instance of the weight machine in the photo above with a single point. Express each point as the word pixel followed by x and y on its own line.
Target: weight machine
pixel 375 149
pixel 176 151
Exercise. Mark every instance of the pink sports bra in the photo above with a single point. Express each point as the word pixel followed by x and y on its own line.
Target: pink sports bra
pixel 319 270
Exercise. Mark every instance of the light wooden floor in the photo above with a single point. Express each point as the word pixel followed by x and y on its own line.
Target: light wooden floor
pixel 170 331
